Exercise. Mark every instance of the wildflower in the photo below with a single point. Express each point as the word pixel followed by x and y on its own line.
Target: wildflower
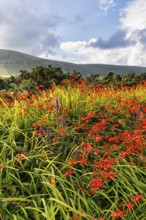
pixel 68 173
pixel 129 205
pixel 34 124
pixel 106 154
pixel 61 131
pixel 109 175
pixel 22 156
pixel 80 188
pixel 63 123
pixel 34 133
pixel 98 219
pixel 83 161
pixel 117 214
pixel 73 161
pixel 138 197
pixel 88 149
pixel 137 115
pixel 91 114
pixel 57 104
pixel 75 217
pixel 41 131
pixel 48 133
pixel 98 138
pixel 56 139
pixel 52 181
pixel 96 152
pixel 96 183
pixel 1 166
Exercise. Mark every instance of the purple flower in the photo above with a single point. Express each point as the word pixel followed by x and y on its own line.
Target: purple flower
pixel 57 104
pixel 48 133
pixel 63 123
pixel 41 130
pixel 137 115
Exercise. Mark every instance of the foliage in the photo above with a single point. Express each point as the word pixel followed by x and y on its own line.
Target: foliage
pixel 48 76
pixel 74 151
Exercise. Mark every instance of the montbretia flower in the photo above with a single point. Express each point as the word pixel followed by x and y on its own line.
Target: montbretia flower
pixel 138 197
pixel 96 183
pixel 118 214
pixel 22 156
pixel 68 173
pixel 1 166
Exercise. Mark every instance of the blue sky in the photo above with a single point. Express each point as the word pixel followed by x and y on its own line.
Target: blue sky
pixel 79 31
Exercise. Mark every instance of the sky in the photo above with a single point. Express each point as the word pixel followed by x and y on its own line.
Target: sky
pixel 77 31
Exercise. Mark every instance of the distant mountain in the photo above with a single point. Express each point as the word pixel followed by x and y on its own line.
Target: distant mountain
pixel 11 62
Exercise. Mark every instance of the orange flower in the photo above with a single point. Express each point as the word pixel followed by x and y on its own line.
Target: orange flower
pixel 22 156
pixel 91 114
pixel 61 131
pixel 68 173
pixel 138 197
pixel 56 139
pixel 1 166
pixel 117 214
pixel 52 181
pixel 35 124
pixel 72 162
pixel 96 183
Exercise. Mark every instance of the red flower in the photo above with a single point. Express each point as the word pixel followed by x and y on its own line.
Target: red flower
pixel 22 156
pixel 1 166
pixel 138 197
pixel 74 217
pixel 68 173
pixel 96 183
pixel 73 161
pixel 61 131
pixel 129 205
pixel 83 161
pixel 109 175
pixel 106 154
pixel 117 214
pixel 88 149
pixel 91 114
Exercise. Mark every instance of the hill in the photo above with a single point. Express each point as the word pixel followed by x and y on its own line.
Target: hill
pixel 11 62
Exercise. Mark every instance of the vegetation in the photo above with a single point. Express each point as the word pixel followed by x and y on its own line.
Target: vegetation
pixel 47 76
pixel 73 150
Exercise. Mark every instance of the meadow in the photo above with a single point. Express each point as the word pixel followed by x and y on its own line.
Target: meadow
pixel 73 152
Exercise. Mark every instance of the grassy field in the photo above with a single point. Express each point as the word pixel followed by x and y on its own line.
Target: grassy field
pixel 73 152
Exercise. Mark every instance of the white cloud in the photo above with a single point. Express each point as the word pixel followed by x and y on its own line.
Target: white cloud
pixel 105 5
pixel 133 23
pixel 133 17
pixel 86 54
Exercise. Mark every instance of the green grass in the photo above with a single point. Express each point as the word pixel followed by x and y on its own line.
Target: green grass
pixel 73 152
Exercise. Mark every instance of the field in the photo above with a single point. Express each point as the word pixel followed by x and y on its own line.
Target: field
pixel 74 152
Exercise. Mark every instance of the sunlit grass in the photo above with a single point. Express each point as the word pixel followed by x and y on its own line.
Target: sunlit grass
pixel 82 159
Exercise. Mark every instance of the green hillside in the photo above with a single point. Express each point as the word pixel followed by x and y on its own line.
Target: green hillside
pixel 11 62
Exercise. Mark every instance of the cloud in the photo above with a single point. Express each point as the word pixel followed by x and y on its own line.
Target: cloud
pixel 28 26
pixel 133 17
pixel 82 52
pixel 125 47
pixel 117 40
pixel 105 5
